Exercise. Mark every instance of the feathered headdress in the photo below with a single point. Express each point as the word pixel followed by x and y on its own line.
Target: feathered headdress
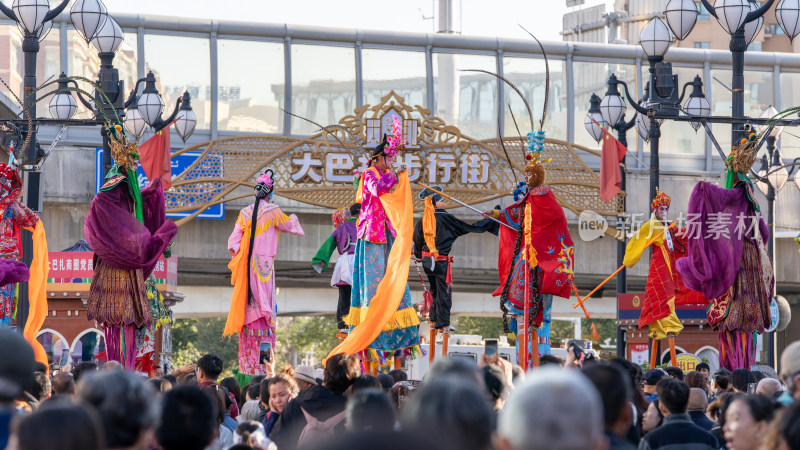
pixel 123 151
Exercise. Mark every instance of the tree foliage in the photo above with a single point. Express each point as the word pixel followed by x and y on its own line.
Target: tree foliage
pixel 193 338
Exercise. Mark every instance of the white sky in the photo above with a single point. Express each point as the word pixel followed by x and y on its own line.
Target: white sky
pixel 478 17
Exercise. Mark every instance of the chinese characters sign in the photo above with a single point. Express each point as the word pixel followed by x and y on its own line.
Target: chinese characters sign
pixel 77 269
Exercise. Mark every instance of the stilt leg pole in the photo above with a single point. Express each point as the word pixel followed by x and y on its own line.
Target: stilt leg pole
pixel 534 347
pixel 445 340
pixel 432 345
pixel 398 362
pixel 672 355
pixel 653 353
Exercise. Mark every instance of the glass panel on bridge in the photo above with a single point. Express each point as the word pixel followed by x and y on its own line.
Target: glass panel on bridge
pixel 169 57
pixel 590 78
pixel 323 85
pixel 402 71
pixel 789 141
pixel 250 100
pixel 528 74
pixel 467 100
pixel 82 61
pixel 127 61
pixel 680 137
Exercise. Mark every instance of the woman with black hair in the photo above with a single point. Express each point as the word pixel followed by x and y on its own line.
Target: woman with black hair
pixel 253 244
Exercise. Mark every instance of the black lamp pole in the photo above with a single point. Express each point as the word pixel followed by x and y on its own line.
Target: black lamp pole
pixel 622 128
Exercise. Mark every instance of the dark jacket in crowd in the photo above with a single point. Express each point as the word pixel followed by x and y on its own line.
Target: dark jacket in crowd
pixel 678 432
pixel 618 443
pixel 317 401
pixel 701 420
pixel 269 421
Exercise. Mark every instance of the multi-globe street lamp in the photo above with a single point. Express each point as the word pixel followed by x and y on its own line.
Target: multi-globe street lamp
pixel 92 21
pixel 742 20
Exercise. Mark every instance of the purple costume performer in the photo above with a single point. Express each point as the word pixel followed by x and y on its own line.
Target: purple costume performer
pixel 126 250
pixel 343 239
pixel 728 263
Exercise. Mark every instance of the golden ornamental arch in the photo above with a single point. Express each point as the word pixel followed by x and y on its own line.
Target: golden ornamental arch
pixel 318 169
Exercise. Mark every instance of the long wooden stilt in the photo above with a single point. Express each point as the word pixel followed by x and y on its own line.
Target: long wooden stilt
pixel 432 345
pixel 375 370
pixel 445 341
pixel 653 353
pixel 672 355
pixel 398 362
pixel 526 316
pixel 534 347
pixel 341 336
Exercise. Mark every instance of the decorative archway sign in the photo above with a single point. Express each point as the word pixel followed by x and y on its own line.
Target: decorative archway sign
pixel 318 170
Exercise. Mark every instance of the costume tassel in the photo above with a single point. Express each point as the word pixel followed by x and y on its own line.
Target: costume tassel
pixel 429 226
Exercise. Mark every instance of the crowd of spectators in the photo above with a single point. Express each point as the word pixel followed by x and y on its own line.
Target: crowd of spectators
pixel 459 405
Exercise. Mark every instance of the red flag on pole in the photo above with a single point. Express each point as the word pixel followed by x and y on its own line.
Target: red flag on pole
pixel 154 155
pixel 612 155
pixel 595 335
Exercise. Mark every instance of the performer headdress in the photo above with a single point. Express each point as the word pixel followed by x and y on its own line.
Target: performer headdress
pixel 391 146
pixel 11 184
pixel 265 184
pixel 339 217
pixel 661 199
pixel 425 193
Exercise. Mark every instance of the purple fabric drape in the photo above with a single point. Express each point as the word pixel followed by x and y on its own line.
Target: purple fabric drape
pixel 13 271
pixel 115 350
pixel 118 238
pixel 712 263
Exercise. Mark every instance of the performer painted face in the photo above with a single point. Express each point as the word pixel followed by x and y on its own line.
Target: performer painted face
pixel 662 212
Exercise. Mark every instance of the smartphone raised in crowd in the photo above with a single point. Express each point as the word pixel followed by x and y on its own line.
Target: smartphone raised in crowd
pixel 265 353
pixel 490 351
pixel 64 357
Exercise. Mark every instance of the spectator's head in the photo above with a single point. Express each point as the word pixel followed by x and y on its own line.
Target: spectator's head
pixel 547 360
pixel 252 392
pixel 722 380
pixel 616 395
pixel 452 412
pixel 160 385
pixel 757 375
pixel 369 410
pixel 673 396
pixel 39 388
pixel 768 386
pixel 82 369
pixel 62 425
pixel 496 386
pixel 366 382
pixel 64 384
pixel 386 381
pixel 651 379
pixel 188 419
pixel 790 427
pixel 698 400
pixel 209 366
pixel 263 393
pixel 747 420
pixel 552 409
pixel 232 386
pixel 716 409
pixel 740 378
pixel 304 377
pixel 125 403
pixel 674 372
pixel 696 380
pixel 340 372
pixel 112 365
pixel 704 368
pixel 249 411
pixel 282 389
pixel 16 365
pixel 790 368
pixel 398 375
pixel 652 417
pixel 250 433
pixel 456 367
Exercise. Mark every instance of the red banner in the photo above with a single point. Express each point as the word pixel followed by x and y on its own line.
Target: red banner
pixel 78 268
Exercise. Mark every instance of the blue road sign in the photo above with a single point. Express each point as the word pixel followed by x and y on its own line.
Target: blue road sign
pixel 179 164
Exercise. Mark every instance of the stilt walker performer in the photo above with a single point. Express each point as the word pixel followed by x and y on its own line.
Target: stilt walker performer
pixel 728 260
pixel 253 244
pixel 343 239
pixel 434 236
pixel 665 286
pixel 383 321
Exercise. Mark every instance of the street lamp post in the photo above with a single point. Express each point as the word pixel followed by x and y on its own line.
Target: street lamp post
pixel 91 19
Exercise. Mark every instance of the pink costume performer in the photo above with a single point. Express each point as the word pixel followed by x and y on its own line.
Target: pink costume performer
pixel 253 308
